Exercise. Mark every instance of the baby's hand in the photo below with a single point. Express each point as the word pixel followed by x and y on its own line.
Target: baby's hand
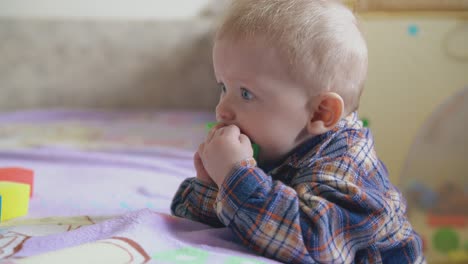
pixel 202 175
pixel 223 149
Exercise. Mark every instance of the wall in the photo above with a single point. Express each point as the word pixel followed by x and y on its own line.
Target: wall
pixel 102 9
pixel 417 60
pixel 112 54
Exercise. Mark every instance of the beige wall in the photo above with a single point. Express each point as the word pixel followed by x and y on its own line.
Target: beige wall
pixel 102 9
pixel 106 64
pixel 410 75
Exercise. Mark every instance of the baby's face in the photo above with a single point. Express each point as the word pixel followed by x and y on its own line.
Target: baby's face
pixel 259 96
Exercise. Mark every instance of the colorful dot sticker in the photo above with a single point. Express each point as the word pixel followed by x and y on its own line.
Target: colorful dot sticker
pixel 413 30
pixel 446 240
pixel 125 205
pixel 365 122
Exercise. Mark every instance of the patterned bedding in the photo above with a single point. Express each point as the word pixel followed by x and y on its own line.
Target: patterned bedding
pixel 103 185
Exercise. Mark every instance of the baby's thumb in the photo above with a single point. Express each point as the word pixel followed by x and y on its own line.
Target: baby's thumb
pixel 244 140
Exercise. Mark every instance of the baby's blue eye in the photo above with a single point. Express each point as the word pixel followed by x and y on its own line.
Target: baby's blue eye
pixel 246 94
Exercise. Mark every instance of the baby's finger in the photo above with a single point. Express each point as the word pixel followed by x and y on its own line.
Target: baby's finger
pixel 213 131
pixel 197 161
pixel 244 140
pixel 202 174
pixel 200 150
pixel 230 131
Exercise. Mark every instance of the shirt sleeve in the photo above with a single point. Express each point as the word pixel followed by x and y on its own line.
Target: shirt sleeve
pixel 195 200
pixel 328 217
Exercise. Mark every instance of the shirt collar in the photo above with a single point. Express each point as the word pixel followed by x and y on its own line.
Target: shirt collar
pixel 307 151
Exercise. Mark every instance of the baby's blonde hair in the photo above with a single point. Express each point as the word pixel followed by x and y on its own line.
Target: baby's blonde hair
pixel 319 39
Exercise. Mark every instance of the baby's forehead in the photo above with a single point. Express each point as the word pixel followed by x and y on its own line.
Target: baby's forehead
pixel 258 46
pixel 266 53
pixel 255 53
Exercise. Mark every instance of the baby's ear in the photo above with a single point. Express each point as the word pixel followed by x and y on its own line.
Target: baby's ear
pixel 326 112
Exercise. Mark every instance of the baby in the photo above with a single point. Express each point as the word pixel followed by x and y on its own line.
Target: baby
pixel 291 74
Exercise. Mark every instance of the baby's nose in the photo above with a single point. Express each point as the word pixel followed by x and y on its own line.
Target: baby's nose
pixel 224 114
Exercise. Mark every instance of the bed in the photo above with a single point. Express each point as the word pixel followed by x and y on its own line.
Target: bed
pixel 104 181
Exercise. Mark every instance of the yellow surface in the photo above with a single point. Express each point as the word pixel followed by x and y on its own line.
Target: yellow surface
pixel 15 200
pixel 410 75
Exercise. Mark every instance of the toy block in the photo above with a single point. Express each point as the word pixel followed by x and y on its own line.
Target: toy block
pixel 14 200
pixel 19 175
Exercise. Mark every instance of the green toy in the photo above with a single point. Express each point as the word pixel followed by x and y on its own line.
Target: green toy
pixel 255 147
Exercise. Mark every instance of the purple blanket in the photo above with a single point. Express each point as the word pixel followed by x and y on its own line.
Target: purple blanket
pixel 103 186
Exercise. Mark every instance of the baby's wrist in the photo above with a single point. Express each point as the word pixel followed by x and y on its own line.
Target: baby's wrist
pixel 248 162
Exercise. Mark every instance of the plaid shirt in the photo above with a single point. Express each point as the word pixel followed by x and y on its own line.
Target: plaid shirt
pixel 328 202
